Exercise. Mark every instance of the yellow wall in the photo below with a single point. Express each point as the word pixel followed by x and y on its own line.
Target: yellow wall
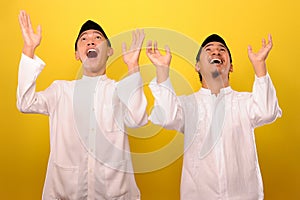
pixel 24 143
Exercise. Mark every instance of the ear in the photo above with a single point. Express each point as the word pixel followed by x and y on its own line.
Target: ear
pixel 110 51
pixel 197 67
pixel 77 57
pixel 231 68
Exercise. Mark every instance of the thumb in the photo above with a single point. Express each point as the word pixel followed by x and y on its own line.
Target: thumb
pixel 39 30
pixel 168 51
pixel 124 47
pixel 249 50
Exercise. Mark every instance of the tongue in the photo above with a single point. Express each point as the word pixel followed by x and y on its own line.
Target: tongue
pixel 92 54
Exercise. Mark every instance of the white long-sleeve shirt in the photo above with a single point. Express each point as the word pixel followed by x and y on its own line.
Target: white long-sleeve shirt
pixel 220 159
pixel 89 155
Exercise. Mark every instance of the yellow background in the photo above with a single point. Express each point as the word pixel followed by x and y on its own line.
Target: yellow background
pixel 24 139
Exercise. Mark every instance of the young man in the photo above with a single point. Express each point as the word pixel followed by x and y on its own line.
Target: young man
pixel 220 158
pixel 89 155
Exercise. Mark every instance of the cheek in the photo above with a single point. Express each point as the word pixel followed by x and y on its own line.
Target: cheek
pixel 203 55
pixel 203 64
pixel 81 55
pixel 82 52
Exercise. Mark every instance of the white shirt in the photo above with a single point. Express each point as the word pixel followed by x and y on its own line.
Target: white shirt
pixel 89 155
pixel 220 159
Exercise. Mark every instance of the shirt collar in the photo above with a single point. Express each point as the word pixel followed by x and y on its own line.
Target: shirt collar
pixel 206 91
pixel 91 78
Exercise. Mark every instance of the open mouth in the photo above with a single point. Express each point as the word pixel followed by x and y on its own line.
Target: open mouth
pixel 216 61
pixel 92 53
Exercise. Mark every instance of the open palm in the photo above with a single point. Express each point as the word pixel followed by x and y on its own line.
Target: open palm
pixel 31 39
pixel 258 59
pixel 262 54
pixel 156 57
pixel 131 56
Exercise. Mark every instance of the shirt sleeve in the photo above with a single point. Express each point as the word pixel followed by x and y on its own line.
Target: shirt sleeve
pixel 167 111
pixel 263 107
pixel 28 100
pixel 130 92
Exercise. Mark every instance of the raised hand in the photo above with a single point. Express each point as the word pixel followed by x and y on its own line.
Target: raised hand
pixel 31 39
pixel 258 59
pixel 131 56
pixel 162 62
pixel 156 57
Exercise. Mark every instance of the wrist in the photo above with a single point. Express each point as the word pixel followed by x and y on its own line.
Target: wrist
pixel 28 51
pixel 162 74
pixel 260 69
pixel 132 70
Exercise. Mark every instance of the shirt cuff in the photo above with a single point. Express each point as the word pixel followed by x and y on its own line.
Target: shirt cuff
pixel 30 67
pixel 35 59
pixel 262 79
pixel 155 87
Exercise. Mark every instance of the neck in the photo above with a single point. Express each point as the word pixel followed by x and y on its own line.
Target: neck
pixel 94 73
pixel 215 84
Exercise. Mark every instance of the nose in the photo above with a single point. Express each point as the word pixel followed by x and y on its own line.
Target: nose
pixel 91 43
pixel 216 52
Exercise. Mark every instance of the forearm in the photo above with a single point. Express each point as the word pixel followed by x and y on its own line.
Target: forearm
pixel 130 92
pixel 265 108
pixel 167 111
pixel 260 68
pixel 27 98
pixel 162 74
pixel 28 51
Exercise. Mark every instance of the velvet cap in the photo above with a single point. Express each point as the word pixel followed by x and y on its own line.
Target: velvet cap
pixel 213 38
pixel 91 25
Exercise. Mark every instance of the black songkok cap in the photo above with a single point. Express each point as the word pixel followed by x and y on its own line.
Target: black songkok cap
pixel 91 25
pixel 213 38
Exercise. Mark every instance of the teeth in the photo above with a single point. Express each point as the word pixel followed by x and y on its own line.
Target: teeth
pixel 91 50
pixel 215 61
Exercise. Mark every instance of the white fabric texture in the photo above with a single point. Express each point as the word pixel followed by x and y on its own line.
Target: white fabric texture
pixel 90 154
pixel 220 159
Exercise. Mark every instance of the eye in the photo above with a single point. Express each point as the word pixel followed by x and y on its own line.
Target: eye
pixel 223 50
pixel 83 38
pixel 207 49
pixel 98 37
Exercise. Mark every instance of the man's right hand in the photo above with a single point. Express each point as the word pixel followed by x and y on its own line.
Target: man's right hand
pixel 162 62
pixel 31 39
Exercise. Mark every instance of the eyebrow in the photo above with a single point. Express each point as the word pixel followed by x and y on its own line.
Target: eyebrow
pixel 210 44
